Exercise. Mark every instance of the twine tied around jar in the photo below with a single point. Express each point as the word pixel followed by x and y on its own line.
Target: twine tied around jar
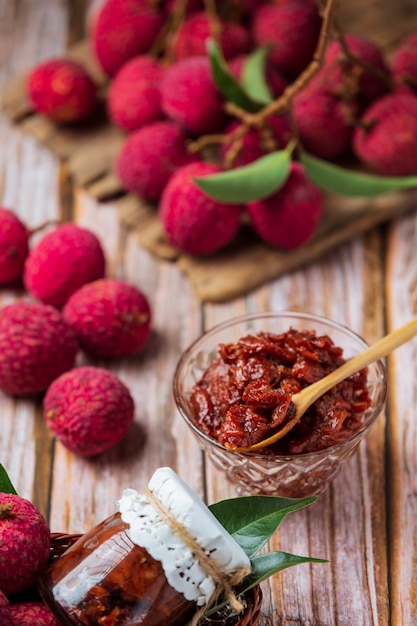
pixel 224 582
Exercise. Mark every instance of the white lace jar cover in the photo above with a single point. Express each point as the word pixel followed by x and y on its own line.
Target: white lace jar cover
pixel 181 567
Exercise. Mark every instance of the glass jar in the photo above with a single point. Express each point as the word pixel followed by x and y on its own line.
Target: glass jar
pixel 133 568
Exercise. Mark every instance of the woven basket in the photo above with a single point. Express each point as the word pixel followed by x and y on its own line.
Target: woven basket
pixel 61 542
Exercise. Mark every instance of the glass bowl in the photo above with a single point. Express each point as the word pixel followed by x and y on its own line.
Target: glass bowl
pixel 289 475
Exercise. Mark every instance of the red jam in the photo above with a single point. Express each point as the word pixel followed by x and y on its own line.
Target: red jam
pixel 246 393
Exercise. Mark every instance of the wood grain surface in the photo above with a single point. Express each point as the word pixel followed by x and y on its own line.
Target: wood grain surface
pixel 365 524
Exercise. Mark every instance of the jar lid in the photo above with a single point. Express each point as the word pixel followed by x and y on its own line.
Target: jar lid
pixel 147 529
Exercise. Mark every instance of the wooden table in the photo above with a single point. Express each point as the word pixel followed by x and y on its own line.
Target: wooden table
pixel 365 523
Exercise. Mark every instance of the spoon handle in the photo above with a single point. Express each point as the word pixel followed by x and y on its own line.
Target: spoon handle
pixel 378 350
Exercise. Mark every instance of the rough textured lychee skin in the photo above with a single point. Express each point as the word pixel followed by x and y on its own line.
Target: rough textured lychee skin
pixel 25 542
pixel 191 37
pixel 110 317
pixel 123 29
pixel 62 90
pixel 5 612
pixel 33 614
pixel 36 346
pixel 190 97
pixel 66 258
pixel 345 78
pixel 254 146
pixel 386 139
pixel 324 122
pixel 274 78
pixel 150 156
pixel 14 246
pixel 292 28
pixel 89 410
pixel 289 217
pixel 403 63
pixel 194 222
pixel 134 99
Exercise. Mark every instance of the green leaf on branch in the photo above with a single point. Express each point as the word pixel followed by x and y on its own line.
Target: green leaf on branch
pixel 5 482
pixel 343 182
pixel 252 520
pixel 254 76
pixel 227 84
pixel 255 181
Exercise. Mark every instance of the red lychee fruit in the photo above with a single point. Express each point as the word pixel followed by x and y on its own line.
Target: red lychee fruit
pixel 150 156
pixel 25 543
pixel 324 122
pixel 386 139
pixel 191 98
pixel 192 36
pixel 5 612
pixel 36 346
pixel 289 217
pixel 33 614
pixel 123 29
pixel 89 410
pixel 403 63
pixel 274 78
pixel 14 246
pixel 255 143
pixel 134 99
pixel 63 260
pixel 194 222
pixel 62 90
pixel 353 79
pixel 110 317
pixel 292 28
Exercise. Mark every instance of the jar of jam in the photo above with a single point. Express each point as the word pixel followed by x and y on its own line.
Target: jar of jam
pixel 138 567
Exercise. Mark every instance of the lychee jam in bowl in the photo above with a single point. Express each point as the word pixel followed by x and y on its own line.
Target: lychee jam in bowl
pixel 230 383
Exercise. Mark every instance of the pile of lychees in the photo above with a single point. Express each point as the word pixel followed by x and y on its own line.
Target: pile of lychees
pixel 70 307
pixel 163 95
pixel 25 549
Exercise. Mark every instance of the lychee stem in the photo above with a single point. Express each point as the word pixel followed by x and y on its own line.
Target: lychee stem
pixel 5 510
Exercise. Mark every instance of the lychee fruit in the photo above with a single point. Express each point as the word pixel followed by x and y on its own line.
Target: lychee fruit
pixel 274 78
pixel 191 98
pixel 36 346
pixel 192 36
pixel 256 142
pixel 194 222
pixel 289 217
pixel 5 612
pixel 403 63
pixel 33 614
pixel 292 28
pixel 351 79
pixel 62 261
pixel 386 138
pixel 62 90
pixel 14 246
pixel 150 156
pixel 25 543
pixel 324 122
pixel 134 99
pixel 88 409
pixel 123 29
pixel 110 317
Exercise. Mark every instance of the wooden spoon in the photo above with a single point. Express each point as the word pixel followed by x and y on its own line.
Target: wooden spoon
pixel 305 398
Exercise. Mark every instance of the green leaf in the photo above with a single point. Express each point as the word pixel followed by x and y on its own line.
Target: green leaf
pixel 252 520
pixel 226 82
pixel 254 78
pixel 5 482
pixel 337 180
pixel 257 180
pixel 265 565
